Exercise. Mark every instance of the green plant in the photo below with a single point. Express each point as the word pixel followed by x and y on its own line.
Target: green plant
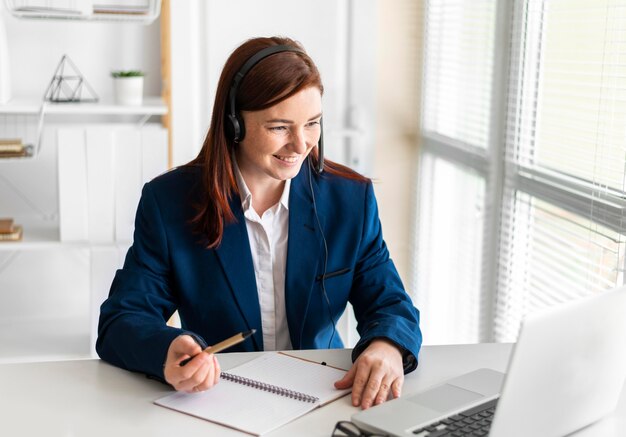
pixel 127 73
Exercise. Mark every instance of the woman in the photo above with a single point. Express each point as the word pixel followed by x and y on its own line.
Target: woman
pixel 253 234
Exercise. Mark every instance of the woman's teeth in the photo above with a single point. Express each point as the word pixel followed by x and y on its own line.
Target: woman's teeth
pixel 290 159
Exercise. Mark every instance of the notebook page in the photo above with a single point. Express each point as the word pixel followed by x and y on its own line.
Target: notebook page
pixel 294 374
pixel 240 407
pixel 256 411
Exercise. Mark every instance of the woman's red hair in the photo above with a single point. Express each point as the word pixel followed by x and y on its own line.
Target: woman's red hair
pixel 270 81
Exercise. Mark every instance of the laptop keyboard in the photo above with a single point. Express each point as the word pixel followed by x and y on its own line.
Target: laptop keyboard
pixel 473 422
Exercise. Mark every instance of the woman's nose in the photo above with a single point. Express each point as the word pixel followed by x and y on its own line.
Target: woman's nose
pixel 299 140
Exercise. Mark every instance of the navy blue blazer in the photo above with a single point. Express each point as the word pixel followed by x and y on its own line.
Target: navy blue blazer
pixel 214 290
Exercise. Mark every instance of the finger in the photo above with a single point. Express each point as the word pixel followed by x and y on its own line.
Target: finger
pixel 372 387
pixel 182 348
pixel 396 387
pixel 384 390
pixel 199 380
pixel 218 370
pixel 183 374
pixel 208 378
pixel 347 380
pixel 185 344
pixel 185 358
pixel 175 375
pixel 196 378
pixel 360 380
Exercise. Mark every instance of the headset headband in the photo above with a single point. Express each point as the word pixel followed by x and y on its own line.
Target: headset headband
pixel 247 66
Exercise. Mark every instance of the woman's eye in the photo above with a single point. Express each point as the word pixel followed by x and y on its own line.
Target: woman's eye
pixel 278 128
pixel 312 123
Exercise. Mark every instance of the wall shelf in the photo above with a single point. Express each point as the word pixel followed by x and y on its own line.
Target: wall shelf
pixel 44 235
pixel 151 106
pixel 95 12
pixel 41 235
pixel 30 113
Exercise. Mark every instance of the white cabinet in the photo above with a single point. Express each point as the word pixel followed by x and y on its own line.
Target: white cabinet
pixel 51 289
pixel 24 180
pixel 53 281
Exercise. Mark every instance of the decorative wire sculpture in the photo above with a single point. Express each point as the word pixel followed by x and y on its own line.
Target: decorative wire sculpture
pixel 65 88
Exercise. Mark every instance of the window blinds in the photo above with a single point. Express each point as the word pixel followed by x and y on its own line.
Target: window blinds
pixel 458 69
pixel 456 116
pixel 561 161
pixel 563 220
pixel 449 251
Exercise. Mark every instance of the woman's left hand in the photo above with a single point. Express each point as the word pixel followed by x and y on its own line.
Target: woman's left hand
pixel 375 373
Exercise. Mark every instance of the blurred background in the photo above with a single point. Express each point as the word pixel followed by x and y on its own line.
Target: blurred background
pixel 494 131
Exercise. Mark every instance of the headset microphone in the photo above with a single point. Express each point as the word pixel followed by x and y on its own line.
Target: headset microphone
pixel 320 150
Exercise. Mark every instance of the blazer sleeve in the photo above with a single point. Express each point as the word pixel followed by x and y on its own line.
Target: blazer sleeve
pixel 382 307
pixel 132 330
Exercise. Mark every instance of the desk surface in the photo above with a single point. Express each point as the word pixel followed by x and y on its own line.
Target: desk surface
pixel 93 398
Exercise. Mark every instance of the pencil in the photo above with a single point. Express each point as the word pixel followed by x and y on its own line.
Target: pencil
pixel 225 344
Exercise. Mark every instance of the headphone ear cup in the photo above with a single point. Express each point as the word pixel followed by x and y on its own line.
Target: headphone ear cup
pixel 231 125
pixel 235 128
pixel 241 127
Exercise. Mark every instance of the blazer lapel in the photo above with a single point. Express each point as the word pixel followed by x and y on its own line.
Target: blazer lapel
pixel 304 253
pixel 236 259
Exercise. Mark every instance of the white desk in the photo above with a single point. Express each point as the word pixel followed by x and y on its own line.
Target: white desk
pixel 92 398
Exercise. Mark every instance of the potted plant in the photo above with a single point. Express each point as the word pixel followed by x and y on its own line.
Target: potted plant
pixel 128 86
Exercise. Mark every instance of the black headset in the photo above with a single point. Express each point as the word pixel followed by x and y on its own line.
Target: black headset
pixel 236 130
pixel 235 127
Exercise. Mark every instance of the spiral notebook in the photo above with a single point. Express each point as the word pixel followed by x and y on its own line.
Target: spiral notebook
pixel 262 394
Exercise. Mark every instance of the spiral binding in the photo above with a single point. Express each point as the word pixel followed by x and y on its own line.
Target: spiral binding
pixel 269 388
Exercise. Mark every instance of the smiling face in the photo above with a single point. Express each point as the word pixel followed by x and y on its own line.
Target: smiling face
pixel 278 139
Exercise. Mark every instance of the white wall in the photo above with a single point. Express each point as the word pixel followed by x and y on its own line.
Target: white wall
pixel 36 47
pixel 398 61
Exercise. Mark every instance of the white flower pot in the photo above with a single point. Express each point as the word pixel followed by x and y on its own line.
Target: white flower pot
pixel 128 90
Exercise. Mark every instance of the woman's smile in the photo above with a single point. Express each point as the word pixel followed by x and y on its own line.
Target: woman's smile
pixel 288 159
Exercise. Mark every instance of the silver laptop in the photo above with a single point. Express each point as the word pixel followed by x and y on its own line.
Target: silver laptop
pixel 570 358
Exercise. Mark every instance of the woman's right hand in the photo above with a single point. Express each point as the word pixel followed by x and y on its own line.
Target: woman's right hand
pixel 199 374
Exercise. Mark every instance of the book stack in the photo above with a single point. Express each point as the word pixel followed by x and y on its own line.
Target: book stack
pixel 13 148
pixel 9 231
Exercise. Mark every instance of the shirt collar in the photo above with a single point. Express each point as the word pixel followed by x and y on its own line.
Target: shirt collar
pixel 246 195
pixel 284 199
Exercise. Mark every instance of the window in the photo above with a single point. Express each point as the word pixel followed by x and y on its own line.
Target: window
pixel 521 193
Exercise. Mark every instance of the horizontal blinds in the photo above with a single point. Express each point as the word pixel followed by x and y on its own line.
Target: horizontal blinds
pixel 449 251
pixel 563 219
pixel 451 200
pixel 550 256
pixel 458 68
pixel 573 116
